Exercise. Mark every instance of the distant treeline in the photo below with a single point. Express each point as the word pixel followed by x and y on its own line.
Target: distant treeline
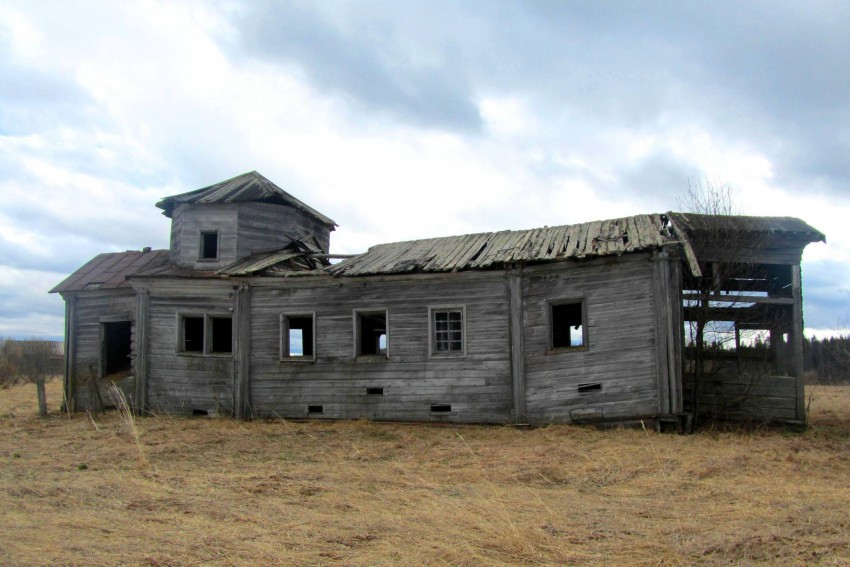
pixel 829 358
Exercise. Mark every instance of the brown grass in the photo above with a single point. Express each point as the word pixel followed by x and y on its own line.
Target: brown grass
pixel 81 491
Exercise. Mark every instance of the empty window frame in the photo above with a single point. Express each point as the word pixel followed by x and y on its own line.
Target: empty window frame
pixel 205 334
pixel 567 324
pixel 298 336
pixel 208 245
pixel 447 337
pixel 371 333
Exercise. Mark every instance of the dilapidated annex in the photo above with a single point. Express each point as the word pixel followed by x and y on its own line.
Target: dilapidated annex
pixel 249 314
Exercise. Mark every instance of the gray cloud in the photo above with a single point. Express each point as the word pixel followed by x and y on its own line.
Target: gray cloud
pixel 365 63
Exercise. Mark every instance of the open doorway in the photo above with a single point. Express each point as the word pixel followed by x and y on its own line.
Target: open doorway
pixel 115 348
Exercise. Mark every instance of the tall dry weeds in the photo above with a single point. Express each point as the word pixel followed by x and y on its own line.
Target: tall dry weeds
pixel 128 420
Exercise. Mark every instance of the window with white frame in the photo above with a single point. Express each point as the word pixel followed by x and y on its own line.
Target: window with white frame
pixel 371 333
pixel 205 334
pixel 567 327
pixel 297 336
pixel 447 337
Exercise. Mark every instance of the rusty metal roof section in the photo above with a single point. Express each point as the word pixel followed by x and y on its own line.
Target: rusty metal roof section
pixel 695 223
pixel 110 270
pixel 247 187
pixel 297 256
pixel 492 249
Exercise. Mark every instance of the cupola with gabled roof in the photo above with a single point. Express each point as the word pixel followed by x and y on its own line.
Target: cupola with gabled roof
pixel 215 226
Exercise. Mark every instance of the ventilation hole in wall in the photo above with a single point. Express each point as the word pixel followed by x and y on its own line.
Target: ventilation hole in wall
pixel 589 387
pixel 196 411
pixel 375 391
pixel 441 408
pixel 315 409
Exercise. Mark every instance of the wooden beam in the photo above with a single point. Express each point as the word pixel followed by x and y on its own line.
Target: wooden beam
pixel 662 320
pixel 739 299
pixel 242 352
pixel 141 360
pixel 70 382
pixel 517 350
pixel 796 338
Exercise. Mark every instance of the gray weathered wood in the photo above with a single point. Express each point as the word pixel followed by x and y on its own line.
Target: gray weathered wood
pixel 796 337
pixel 517 351
pixel 140 352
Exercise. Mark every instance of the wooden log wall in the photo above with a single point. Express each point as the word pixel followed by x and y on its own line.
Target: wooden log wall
pixel 187 383
pixel 263 226
pixel 620 355
pixel 90 307
pixel 476 386
pixel 746 396
pixel 186 223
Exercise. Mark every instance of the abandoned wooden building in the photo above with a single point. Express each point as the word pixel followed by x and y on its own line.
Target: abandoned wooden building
pixel 245 315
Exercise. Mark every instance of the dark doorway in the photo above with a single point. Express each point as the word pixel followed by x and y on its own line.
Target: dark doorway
pixel 115 354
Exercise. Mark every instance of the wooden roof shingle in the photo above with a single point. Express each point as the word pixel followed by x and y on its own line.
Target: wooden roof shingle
pixel 111 270
pixel 484 250
pixel 249 186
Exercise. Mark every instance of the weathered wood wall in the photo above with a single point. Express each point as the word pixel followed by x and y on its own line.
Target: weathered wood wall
pixel 91 307
pixel 185 383
pixel 745 396
pixel 244 228
pixel 477 386
pixel 620 354
pixel 263 226
pixel 186 223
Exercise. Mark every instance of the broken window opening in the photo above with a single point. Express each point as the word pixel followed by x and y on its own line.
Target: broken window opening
pixel 221 334
pixel 209 245
pixel 567 325
pixel 116 347
pixel 205 334
pixel 193 334
pixel 297 337
pixel 371 336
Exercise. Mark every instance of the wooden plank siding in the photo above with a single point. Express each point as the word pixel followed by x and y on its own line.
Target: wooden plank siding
pixel 84 353
pixel 185 383
pixel 477 385
pixel 186 226
pixel 761 398
pixel 264 226
pixel 620 354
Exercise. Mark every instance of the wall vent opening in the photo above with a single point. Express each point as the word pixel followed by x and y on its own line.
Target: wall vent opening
pixel 375 391
pixel 582 388
pixel 315 409
pixel 196 411
pixel 441 408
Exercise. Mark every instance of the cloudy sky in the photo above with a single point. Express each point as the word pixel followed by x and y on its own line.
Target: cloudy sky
pixel 404 120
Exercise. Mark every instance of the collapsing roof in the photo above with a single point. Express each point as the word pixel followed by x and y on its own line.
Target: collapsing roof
pixel 446 254
pixel 777 226
pixel 249 186
pixel 478 251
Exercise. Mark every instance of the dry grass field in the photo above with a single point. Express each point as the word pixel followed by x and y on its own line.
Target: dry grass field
pixel 202 491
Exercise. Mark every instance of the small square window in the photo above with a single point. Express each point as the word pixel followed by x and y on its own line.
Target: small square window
pixel 447 331
pixel 567 325
pixel 371 333
pixel 297 337
pixel 209 245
